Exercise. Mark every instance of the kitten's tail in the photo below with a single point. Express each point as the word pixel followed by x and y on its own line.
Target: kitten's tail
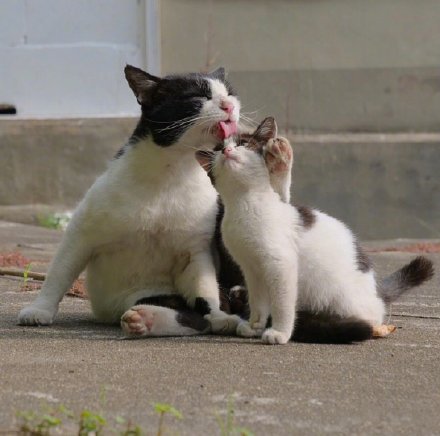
pixel 418 271
pixel 312 328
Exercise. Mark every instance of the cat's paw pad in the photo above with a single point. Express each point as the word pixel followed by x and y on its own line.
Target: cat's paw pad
pixel 33 315
pixel 381 331
pixel 222 323
pixel 272 336
pixel 138 321
pixel 278 155
pixel 245 330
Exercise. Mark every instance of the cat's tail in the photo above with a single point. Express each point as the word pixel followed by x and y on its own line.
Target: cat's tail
pixel 418 271
pixel 312 328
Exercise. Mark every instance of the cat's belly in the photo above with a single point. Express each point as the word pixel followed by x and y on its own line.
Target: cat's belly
pixel 120 271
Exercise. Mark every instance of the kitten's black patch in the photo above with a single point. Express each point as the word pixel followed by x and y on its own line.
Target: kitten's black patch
pixel 308 217
pixel 418 271
pixel 320 329
pixel 364 263
pixel 201 306
pixel 193 320
pixel 169 105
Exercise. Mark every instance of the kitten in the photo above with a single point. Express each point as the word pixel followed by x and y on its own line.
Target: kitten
pixel 338 297
pixel 261 233
pixel 144 229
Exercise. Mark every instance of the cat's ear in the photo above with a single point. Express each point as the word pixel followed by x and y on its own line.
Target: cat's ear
pixel 219 73
pixel 266 130
pixel 204 158
pixel 141 83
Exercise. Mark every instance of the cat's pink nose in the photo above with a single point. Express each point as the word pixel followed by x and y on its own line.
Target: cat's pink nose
pixel 227 151
pixel 227 106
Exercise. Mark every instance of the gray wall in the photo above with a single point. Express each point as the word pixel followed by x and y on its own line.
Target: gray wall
pixel 320 65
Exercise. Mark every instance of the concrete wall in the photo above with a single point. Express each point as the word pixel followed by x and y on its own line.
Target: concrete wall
pixel 321 65
pixel 61 58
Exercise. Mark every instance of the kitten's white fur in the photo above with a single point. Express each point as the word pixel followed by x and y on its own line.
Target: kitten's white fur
pixel 261 233
pixel 144 228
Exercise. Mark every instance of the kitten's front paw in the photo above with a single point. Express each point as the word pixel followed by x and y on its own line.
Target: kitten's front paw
pixel 278 155
pixel 272 336
pixel 34 315
pixel 245 330
pixel 222 323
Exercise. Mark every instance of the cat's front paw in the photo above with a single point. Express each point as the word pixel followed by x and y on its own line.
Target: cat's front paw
pixel 272 336
pixel 278 155
pixel 34 315
pixel 222 323
pixel 245 330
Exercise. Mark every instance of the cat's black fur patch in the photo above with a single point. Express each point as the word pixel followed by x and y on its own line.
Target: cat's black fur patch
pixel 418 271
pixel 229 273
pixel 201 306
pixel 185 316
pixel 308 217
pixel 173 301
pixel 319 329
pixel 174 98
pixel 364 263
pixel 194 320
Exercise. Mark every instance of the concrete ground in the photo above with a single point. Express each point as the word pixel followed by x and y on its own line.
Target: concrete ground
pixel 389 386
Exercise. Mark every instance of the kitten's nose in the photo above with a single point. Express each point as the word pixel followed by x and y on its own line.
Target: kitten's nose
pixel 227 106
pixel 227 150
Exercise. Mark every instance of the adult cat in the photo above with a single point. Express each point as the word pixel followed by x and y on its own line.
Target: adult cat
pixel 144 228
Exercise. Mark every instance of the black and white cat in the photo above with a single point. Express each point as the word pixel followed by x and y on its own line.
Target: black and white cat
pixel 144 229
pixel 264 236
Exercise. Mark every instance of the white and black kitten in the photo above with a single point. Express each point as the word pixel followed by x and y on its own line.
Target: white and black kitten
pixel 144 229
pixel 338 297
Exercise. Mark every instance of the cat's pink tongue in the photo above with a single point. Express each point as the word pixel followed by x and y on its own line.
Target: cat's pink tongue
pixel 226 129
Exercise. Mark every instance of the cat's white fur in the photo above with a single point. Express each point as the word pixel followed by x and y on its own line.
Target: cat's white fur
pixel 261 233
pixel 264 237
pixel 144 228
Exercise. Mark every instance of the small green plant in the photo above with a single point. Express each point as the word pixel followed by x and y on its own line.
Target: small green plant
pixel 163 409
pixel 26 273
pixel 57 221
pixel 128 428
pixel 90 422
pixel 227 424
pixel 35 424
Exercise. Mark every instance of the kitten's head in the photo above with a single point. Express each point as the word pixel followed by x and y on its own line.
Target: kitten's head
pixel 239 163
pixel 194 108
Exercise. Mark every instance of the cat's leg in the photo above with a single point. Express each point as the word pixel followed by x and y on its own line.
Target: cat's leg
pixel 70 259
pixel 283 296
pixel 198 284
pixel 278 156
pixel 259 306
pixel 163 315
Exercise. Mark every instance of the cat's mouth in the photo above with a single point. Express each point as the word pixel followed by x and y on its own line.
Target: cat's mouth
pixel 225 129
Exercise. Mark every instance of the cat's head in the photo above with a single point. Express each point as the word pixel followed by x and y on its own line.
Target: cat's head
pixel 239 163
pixel 194 109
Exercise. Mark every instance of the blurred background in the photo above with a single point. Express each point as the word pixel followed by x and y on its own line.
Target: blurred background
pixel 354 84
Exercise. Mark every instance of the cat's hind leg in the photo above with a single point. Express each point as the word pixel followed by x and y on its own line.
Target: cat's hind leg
pixel 163 315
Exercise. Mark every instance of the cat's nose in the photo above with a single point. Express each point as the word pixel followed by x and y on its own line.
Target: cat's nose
pixel 226 106
pixel 227 150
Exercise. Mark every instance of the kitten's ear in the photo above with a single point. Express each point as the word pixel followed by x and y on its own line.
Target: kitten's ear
pixel 266 130
pixel 141 83
pixel 204 158
pixel 219 73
